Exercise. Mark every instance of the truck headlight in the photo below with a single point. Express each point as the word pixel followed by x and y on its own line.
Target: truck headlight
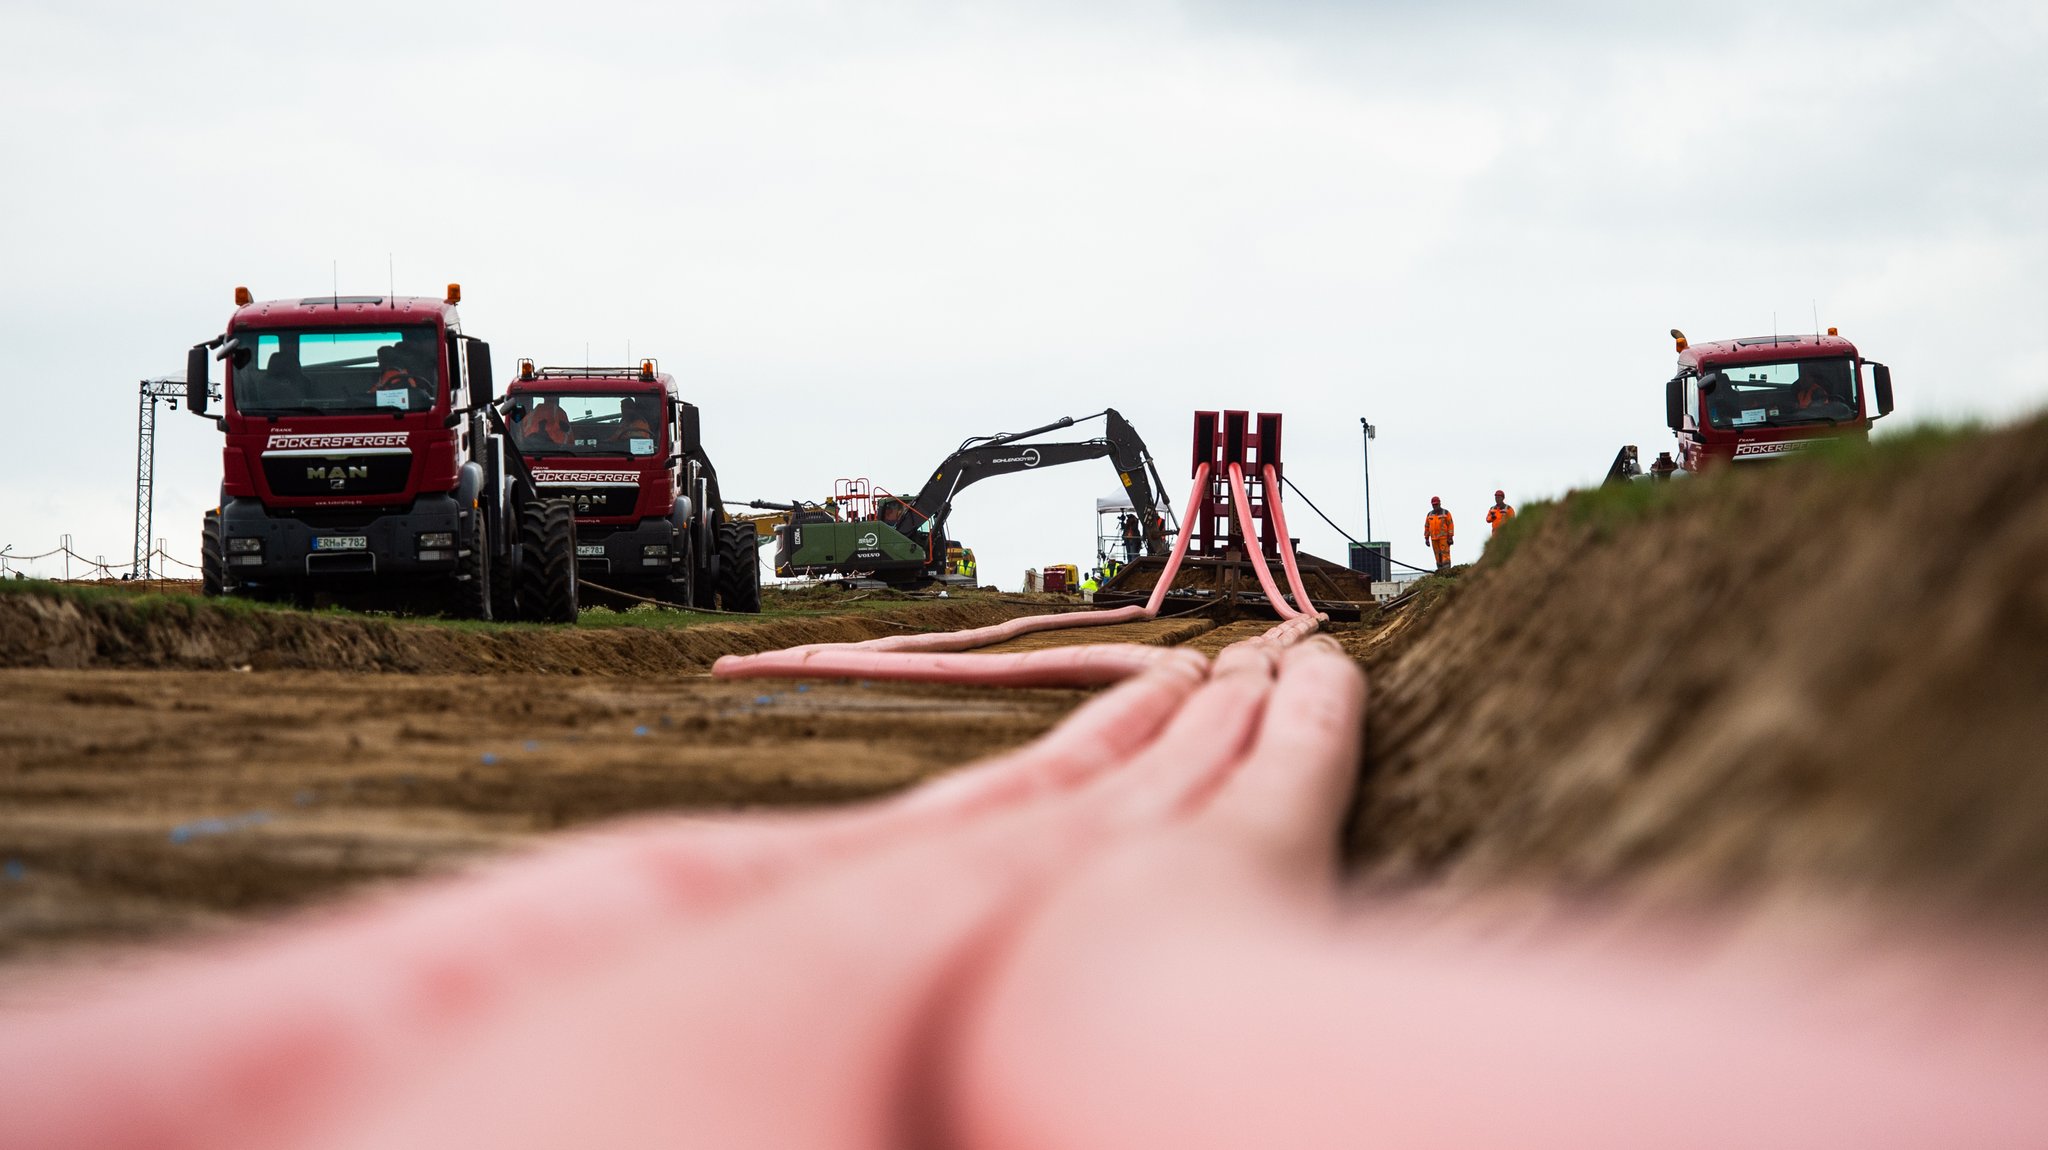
pixel 655 551
pixel 437 539
pixel 245 544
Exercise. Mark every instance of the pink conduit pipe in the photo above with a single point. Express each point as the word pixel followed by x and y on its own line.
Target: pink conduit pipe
pixel 1242 502
pixel 259 1043
pixel 883 658
pixel 1288 558
pixel 1206 987
pixel 809 1018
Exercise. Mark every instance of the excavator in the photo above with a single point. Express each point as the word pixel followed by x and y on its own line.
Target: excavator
pixel 865 533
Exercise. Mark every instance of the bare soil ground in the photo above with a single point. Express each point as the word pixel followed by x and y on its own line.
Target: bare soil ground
pixel 1821 678
pixel 1829 675
pixel 140 799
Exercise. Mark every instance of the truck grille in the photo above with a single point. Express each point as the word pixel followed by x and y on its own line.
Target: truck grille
pixel 593 501
pixel 382 473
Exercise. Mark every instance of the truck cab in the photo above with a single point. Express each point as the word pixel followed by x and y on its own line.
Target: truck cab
pixel 342 456
pixel 361 455
pixel 623 448
pixel 1765 397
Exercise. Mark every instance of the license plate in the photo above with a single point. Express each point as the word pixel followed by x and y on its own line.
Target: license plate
pixel 590 550
pixel 341 543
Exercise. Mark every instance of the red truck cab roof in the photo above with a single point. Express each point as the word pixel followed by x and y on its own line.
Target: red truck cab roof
pixel 1765 349
pixel 593 379
pixel 343 311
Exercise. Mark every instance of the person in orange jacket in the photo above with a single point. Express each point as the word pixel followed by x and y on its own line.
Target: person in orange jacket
pixel 547 425
pixel 1439 532
pixel 1498 514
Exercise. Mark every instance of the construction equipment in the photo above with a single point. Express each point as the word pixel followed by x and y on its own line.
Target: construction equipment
pixel 1220 569
pixel 623 447
pixel 364 458
pixel 1763 397
pixel 868 533
pixel 1061 578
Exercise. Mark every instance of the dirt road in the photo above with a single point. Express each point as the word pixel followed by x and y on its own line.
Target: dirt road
pixel 139 804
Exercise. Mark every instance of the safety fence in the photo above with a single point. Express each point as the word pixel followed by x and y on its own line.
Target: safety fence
pixel 1129 933
pixel 88 567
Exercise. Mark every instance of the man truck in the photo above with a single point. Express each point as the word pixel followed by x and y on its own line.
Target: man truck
pixel 363 457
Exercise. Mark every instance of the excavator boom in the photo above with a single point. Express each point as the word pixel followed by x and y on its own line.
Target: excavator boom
pixel 913 546
pixel 978 459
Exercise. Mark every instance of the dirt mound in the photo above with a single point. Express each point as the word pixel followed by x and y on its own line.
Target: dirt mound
pixel 1326 581
pixel 1829 672
pixel 45 626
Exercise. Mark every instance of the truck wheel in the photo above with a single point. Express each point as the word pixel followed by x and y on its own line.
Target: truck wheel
pixel 547 563
pixel 739 568
pixel 213 559
pixel 473 586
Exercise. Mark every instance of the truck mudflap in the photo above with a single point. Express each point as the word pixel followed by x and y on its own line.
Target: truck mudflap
pixel 264 547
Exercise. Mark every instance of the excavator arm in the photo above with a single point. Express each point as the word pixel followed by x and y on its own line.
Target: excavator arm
pixel 978 459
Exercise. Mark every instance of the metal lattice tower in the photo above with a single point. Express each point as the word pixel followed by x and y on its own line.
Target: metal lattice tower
pixel 151 391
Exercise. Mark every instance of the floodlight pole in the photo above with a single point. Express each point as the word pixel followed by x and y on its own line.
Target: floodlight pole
pixel 150 392
pixel 1369 431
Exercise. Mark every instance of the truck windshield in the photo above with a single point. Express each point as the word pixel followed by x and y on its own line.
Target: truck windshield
pixel 1753 395
pixel 326 371
pixel 586 423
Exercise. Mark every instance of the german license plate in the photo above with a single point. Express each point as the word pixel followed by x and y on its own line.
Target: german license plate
pixel 341 543
pixel 590 550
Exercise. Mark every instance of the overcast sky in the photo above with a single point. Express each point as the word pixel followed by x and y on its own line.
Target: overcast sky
pixel 859 233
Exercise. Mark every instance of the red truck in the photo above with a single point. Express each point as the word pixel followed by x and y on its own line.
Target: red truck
pixel 1763 397
pixel 363 457
pixel 623 447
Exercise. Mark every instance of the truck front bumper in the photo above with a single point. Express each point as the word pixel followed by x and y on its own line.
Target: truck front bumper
pixel 624 553
pixel 265 547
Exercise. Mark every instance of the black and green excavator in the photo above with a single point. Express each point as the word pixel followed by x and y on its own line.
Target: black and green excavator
pixel 903 542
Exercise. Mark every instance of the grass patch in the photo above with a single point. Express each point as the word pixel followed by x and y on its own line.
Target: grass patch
pixel 144 605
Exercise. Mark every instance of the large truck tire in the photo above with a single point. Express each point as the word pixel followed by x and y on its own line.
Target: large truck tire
pixel 213 558
pixel 473 583
pixel 547 561
pixel 739 568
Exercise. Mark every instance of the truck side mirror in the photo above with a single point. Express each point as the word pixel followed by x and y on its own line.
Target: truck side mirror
pixel 1883 376
pixel 1674 403
pixel 195 380
pixel 482 384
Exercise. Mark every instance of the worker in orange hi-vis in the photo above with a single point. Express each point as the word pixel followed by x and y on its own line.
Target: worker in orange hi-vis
pixel 1439 532
pixel 1498 514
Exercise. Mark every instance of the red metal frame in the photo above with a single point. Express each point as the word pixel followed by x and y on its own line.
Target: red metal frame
pixel 1221 439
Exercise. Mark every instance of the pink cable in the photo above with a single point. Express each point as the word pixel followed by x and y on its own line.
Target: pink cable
pixel 1180 545
pixel 1207 987
pixel 255 1043
pixel 938 658
pixel 1287 557
pixel 1242 503
pixel 1085 665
